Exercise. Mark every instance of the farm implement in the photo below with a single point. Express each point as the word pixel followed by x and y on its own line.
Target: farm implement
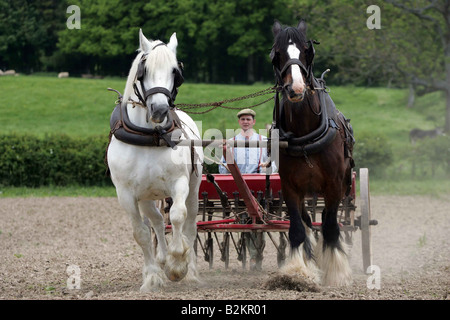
pixel 234 205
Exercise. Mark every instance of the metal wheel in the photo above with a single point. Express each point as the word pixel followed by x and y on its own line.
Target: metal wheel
pixel 365 218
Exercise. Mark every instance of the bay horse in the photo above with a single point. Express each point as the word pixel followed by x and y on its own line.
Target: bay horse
pixel 143 171
pixel 317 161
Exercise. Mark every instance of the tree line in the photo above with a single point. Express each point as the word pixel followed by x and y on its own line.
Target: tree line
pixel 228 41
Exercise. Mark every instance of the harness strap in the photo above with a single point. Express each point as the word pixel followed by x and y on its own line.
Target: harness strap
pixel 141 130
pixel 279 73
pixel 162 90
pixel 316 140
pixel 290 62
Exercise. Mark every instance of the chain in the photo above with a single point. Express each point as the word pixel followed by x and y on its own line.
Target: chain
pixel 220 104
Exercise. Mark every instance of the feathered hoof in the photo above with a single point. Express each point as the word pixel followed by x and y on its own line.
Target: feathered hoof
pixel 175 269
pixel 333 263
pixel 152 283
pixel 299 265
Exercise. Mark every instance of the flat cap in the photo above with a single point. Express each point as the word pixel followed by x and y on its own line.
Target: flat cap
pixel 246 111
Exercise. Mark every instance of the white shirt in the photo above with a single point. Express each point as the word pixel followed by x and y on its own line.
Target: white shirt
pixel 248 160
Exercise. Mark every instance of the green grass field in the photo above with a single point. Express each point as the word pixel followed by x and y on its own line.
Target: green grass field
pixel 78 107
pixel 81 107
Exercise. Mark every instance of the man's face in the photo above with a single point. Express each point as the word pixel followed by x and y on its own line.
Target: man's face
pixel 246 122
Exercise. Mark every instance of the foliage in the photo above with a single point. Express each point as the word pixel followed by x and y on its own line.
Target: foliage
pixel 28 32
pixel 223 41
pixel 215 36
pixel 430 155
pixel 373 152
pixel 56 160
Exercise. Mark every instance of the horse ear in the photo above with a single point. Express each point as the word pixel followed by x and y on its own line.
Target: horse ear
pixel 302 26
pixel 276 28
pixel 173 43
pixel 144 44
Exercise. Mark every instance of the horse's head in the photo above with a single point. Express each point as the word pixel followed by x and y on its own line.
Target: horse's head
pixel 292 58
pixel 157 76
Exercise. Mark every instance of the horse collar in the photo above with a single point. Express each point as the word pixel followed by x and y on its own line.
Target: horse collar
pixel 316 140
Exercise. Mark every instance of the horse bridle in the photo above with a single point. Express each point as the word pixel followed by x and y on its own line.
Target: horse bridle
pixel 307 70
pixel 140 74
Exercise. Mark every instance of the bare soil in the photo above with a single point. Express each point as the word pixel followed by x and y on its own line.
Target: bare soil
pixel 41 237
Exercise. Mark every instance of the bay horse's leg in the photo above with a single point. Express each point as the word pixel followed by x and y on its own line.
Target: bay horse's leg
pixel 178 255
pixel 151 272
pixel 331 254
pixel 148 207
pixel 301 260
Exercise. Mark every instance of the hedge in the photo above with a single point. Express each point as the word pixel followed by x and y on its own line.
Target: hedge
pixel 373 152
pixel 58 160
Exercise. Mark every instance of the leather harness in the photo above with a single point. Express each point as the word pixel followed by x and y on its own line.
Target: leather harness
pixel 331 117
pixel 124 130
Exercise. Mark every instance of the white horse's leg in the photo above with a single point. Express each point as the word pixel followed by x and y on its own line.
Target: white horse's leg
pixel 148 207
pixel 190 230
pixel 152 273
pixel 177 259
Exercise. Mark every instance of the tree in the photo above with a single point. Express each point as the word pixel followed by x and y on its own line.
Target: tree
pixel 22 35
pixel 217 38
pixel 108 35
pixel 433 15
pixel 354 53
pixel 412 46
pixel 250 31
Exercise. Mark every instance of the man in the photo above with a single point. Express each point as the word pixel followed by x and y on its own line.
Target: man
pixel 250 160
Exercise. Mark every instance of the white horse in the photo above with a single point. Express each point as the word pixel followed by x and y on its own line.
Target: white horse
pixel 144 174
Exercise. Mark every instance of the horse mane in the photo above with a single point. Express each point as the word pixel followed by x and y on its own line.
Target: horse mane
pixel 160 57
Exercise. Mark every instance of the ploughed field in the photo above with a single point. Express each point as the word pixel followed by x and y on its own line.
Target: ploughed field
pixel 44 239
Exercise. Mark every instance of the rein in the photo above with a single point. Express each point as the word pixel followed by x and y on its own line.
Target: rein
pixel 220 104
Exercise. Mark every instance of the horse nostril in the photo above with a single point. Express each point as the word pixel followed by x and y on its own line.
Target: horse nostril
pixel 159 113
pixel 292 94
pixel 287 87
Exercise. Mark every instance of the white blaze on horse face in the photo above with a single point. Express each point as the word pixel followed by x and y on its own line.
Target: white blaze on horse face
pixel 298 84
